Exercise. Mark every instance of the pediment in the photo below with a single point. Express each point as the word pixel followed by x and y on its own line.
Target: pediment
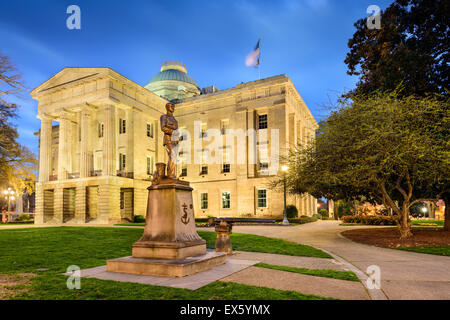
pixel 67 76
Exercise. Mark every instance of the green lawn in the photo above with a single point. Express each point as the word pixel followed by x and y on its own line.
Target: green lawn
pixel 56 248
pixel 335 274
pixel 430 223
pixel 254 243
pixel 53 287
pixel 438 250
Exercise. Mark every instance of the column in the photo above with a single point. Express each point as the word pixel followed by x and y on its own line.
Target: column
pixel 64 148
pixel 39 205
pixel 109 141
pixel 45 149
pixel 330 208
pixel 86 158
pixel 58 206
pixel 130 140
pixel 108 204
pixel 252 150
pixel 80 204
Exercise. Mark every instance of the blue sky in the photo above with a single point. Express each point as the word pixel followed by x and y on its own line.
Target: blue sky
pixel 305 39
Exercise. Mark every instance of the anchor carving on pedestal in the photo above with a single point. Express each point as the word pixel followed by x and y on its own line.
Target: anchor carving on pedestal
pixel 184 218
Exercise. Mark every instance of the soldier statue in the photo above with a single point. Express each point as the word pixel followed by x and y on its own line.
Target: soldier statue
pixel 169 125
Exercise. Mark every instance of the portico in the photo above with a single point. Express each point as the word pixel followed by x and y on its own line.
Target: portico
pixel 86 127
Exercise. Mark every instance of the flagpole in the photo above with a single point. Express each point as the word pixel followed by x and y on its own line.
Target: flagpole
pixel 259 38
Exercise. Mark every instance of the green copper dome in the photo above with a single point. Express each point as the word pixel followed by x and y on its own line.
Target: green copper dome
pixel 173 82
pixel 172 74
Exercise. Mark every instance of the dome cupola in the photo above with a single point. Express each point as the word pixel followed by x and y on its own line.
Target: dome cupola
pixel 173 82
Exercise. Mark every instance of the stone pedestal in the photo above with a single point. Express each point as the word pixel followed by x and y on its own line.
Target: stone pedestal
pixel 167 268
pixel 170 245
pixel 170 229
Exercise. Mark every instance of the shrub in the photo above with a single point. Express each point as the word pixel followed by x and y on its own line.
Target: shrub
pixel 317 216
pixel 23 217
pixel 306 219
pixel 139 219
pixel 323 213
pixel 291 212
pixel 371 220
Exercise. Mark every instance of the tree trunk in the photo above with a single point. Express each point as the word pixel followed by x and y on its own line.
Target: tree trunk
pixel 446 199
pixel 404 224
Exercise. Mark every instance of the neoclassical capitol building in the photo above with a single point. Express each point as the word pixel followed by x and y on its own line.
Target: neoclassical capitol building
pixel 100 140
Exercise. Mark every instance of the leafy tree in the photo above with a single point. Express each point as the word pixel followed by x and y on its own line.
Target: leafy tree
pixel 17 162
pixel 381 148
pixel 411 48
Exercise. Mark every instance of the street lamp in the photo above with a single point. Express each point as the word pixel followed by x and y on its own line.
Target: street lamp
pixel 9 195
pixel 424 210
pixel 285 169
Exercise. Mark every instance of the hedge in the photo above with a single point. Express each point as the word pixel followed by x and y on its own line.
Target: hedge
pixel 371 220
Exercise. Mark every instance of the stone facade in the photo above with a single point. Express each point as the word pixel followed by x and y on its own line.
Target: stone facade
pixel 100 139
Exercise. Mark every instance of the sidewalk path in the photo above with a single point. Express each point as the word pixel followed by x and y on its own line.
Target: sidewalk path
pixel 306 284
pixel 404 275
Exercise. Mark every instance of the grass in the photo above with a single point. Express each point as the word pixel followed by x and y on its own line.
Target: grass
pixel 335 274
pixel 53 287
pixel 254 243
pixel 437 250
pixel 56 248
pixel 426 223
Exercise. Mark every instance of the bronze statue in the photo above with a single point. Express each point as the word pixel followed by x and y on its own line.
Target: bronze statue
pixel 168 125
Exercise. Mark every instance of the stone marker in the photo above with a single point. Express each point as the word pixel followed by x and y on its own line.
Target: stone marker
pixel 170 233
pixel 223 241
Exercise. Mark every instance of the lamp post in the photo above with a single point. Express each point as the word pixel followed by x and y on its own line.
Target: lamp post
pixel 285 169
pixel 424 210
pixel 9 195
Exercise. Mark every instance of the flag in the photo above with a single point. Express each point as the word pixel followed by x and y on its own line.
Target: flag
pixel 252 59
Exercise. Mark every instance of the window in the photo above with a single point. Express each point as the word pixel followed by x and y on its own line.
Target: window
pixel 226 203
pixel 225 168
pixel 149 165
pixel 122 200
pixel 122 125
pixel 204 169
pixel 101 130
pixel 183 170
pixel 224 126
pixel 150 130
pixel 262 121
pixel 226 162
pixel 264 166
pixel 203 133
pixel 262 198
pixel 122 161
pixel 203 201
pixel 182 134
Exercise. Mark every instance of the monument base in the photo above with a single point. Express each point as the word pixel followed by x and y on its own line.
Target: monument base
pixel 168 250
pixel 166 268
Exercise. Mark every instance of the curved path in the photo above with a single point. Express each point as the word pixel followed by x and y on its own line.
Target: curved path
pixel 404 275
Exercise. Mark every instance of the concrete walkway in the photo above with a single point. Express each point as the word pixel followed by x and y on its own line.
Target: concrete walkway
pixel 404 275
pixel 305 284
